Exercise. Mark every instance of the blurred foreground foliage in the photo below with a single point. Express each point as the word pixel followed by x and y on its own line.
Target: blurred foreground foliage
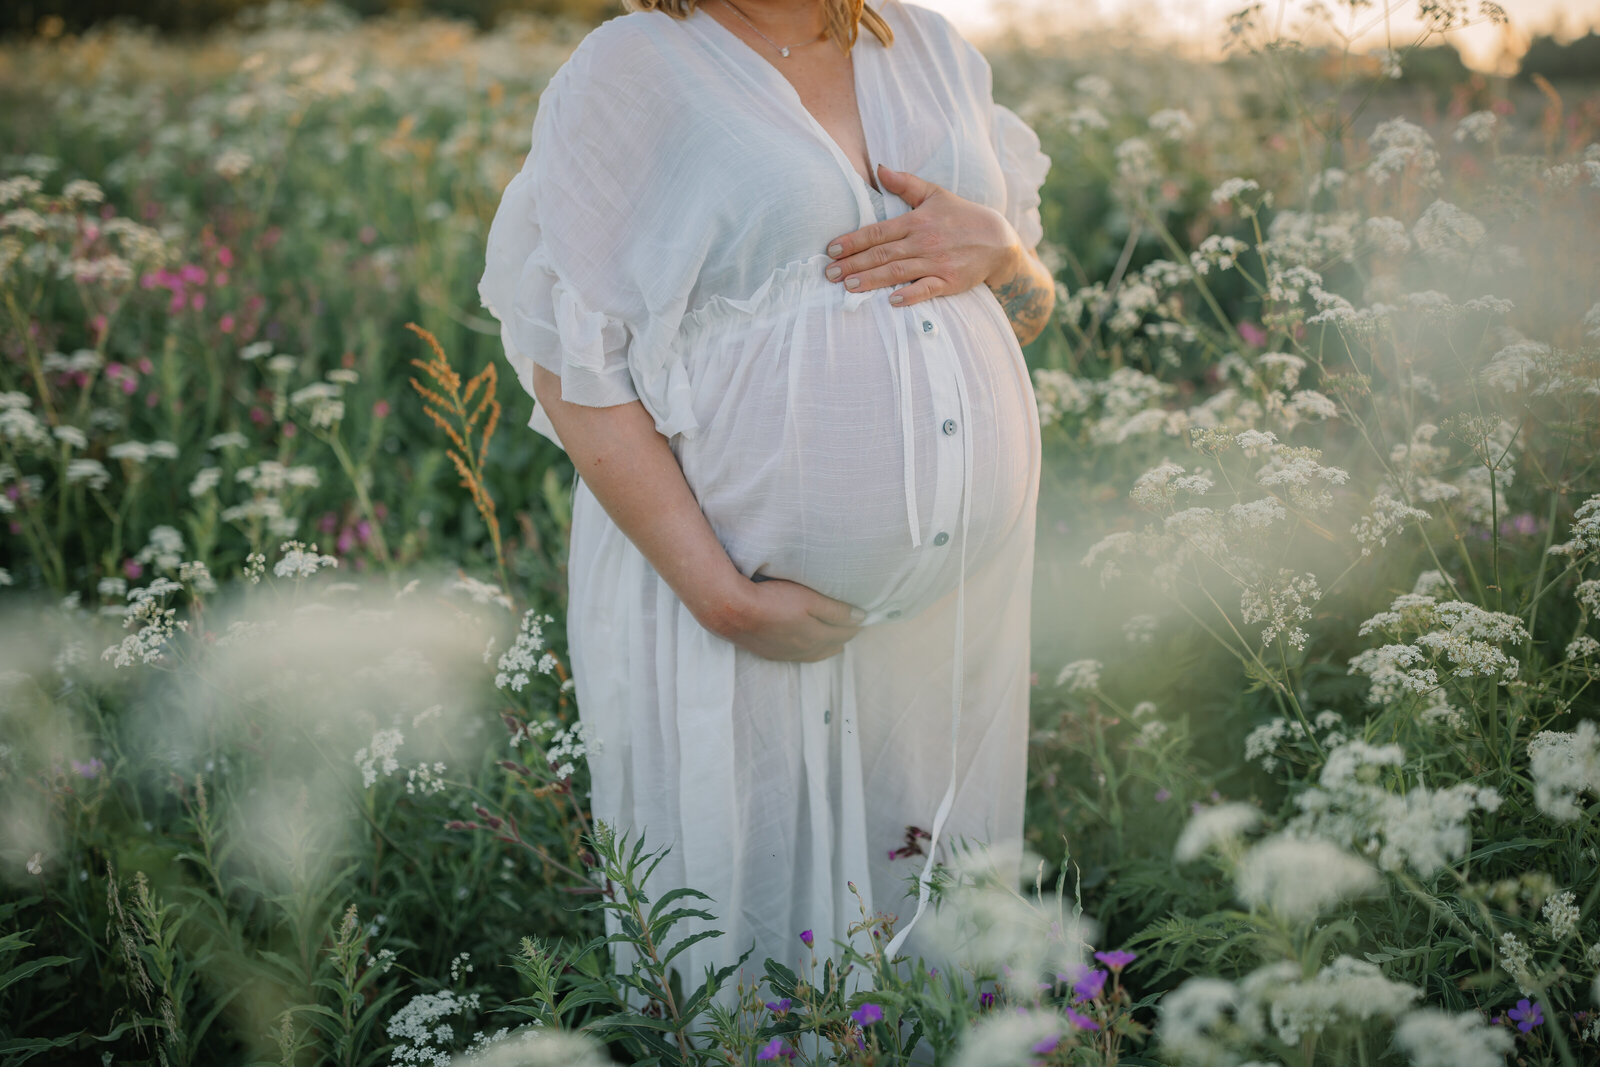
pixel 290 764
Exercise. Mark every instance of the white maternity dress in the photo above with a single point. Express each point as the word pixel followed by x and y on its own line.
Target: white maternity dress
pixel 665 241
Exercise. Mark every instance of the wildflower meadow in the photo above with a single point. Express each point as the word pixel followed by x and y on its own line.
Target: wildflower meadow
pixel 291 770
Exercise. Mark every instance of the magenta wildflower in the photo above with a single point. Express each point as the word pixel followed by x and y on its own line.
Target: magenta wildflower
pixel 1090 984
pixel 1048 1044
pixel 1526 1015
pixel 1163 795
pixel 805 936
pixel 986 1000
pixel 1082 1022
pixel 778 1007
pixel 867 1014
pixel 1116 959
pixel 772 1050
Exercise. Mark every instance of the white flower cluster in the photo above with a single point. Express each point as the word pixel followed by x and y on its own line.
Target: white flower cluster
pixel 1438 1039
pixel 1463 635
pixel 1448 235
pixel 1212 826
pixel 1388 516
pixel 1297 472
pixel 1478 126
pixel 1140 629
pixel 1299 877
pixel 300 561
pixel 1585 531
pixel 1208 1022
pixel 1157 489
pixel 1059 394
pixel 1280 606
pixel 527 655
pixel 155 621
pixel 1403 148
pixel 18 425
pixel 1420 827
pixel 568 744
pixel 1347 988
pixel 323 398
pixel 425 779
pixel 1561 912
pixel 419 1029
pixel 1263 744
pixel 378 757
pixel 137 453
pixel 1081 674
pixel 1517 959
pixel 1564 766
pixel 164 551
pixel 481 592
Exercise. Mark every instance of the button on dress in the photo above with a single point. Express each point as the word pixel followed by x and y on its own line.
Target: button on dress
pixel 664 241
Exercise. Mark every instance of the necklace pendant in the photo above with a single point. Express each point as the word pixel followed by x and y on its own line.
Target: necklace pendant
pixel 784 52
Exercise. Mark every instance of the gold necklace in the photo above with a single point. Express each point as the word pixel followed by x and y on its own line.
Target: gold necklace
pixel 783 50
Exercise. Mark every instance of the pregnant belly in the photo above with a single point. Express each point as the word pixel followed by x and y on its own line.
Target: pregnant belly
pixel 800 463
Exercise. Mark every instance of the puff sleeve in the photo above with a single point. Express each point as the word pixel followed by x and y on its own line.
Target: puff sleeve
pixel 1025 167
pixel 575 268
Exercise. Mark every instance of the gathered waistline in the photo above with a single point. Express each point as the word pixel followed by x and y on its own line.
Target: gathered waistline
pixel 776 294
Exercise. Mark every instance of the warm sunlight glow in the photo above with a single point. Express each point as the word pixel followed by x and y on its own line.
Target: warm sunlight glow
pixel 1197 25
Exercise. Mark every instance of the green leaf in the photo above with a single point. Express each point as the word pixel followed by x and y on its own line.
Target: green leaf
pixel 23 970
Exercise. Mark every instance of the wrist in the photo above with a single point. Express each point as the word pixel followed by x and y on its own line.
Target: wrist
pixel 1011 262
pixel 721 605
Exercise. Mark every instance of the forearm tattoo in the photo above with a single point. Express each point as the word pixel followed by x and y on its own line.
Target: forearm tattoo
pixel 1028 300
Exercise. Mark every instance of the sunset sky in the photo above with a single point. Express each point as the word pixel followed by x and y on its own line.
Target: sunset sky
pixel 1197 25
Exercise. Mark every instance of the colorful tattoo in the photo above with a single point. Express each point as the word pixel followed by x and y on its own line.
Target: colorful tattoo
pixel 1028 300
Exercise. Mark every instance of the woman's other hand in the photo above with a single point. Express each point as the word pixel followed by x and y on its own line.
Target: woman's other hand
pixel 635 476
pixel 783 620
pixel 944 245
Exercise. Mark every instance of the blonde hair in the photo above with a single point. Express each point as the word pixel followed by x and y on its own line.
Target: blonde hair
pixel 842 19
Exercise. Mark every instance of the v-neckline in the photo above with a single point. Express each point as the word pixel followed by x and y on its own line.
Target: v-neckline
pixel 859 185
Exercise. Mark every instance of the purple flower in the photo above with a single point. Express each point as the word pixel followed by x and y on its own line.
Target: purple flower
pixel 1090 984
pixel 1082 1022
pixel 778 1007
pixel 1048 1044
pixel 868 1013
pixel 1526 1015
pixel 91 769
pixel 1163 795
pixel 805 935
pixel 986 1000
pixel 1116 959
pixel 772 1050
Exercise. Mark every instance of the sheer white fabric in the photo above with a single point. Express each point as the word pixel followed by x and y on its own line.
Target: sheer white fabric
pixel 665 241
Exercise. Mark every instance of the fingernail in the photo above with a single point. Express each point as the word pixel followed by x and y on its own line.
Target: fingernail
pixel 835 251
pixel 897 298
pixel 856 615
pixel 853 283
pixel 833 274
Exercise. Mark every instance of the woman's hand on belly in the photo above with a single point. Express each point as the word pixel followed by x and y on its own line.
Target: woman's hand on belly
pixel 944 246
pixel 778 619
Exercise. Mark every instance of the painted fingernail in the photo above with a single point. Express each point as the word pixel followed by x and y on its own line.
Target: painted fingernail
pixel 835 251
pixel 833 274
pixel 853 283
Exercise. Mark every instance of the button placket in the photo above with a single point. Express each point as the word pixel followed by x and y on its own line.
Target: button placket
pixel 948 449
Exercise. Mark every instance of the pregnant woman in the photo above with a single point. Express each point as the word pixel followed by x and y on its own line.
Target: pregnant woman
pixel 765 270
